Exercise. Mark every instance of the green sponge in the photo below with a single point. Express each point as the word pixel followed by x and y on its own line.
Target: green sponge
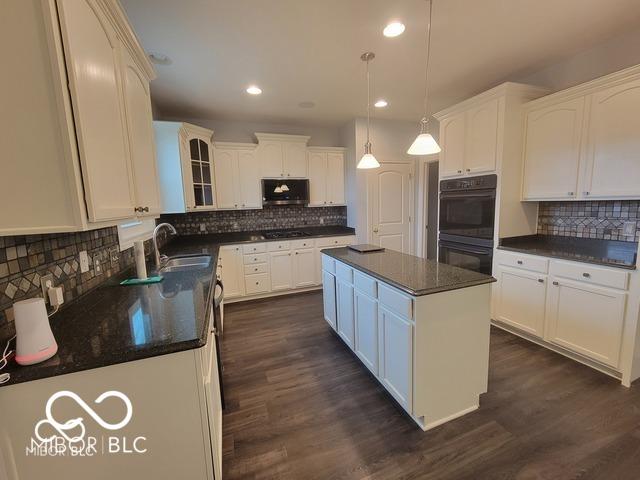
pixel 141 281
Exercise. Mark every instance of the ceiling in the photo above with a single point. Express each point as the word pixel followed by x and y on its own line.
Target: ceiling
pixel 309 51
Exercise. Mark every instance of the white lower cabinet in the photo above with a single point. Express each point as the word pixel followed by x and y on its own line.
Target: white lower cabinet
pixel 396 355
pixel 231 270
pixel 586 319
pixel 521 298
pixel 366 330
pixel 345 311
pixel 329 298
pixel 281 270
pixel 304 268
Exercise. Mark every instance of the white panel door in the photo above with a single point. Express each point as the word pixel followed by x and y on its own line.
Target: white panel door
pixel 552 151
pixel 335 178
pixel 329 298
pixel 141 137
pixel 346 327
pixel 521 299
pixel 452 143
pixel 295 159
pixel 270 156
pixel 613 143
pixel 396 356
pixel 281 270
pixel 390 201
pixel 232 270
pixel 93 57
pixel 304 267
pixel 366 335
pixel 586 319
pixel 481 149
pixel 317 165
pixel 225 165
pixel 249 188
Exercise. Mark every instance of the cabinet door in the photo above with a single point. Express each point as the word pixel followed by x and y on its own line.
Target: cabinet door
pixel 317 178
pixel 281 271
pixel 586 319
pixel 521 299
pixel 335 178
pixel 329 298
pixel 304 267
pixel 366 335
pixel 346 327
pixel 396 356
pixel 92 52
pixel 452 138
pixel 248 174
pixel 271 159
pixel 226 177
pixel 552 151
pixel 232 271
pixel 318 268
pixel 613 143
pixel 141 138
pixel 481 149
pixel 295 159
pixel 200 155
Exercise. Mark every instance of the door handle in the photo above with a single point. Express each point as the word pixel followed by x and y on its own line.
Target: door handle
pixel 375 229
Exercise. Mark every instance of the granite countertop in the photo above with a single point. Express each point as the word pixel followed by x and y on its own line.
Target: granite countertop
pixel 413 275
pixel 115 324
pixel 612 253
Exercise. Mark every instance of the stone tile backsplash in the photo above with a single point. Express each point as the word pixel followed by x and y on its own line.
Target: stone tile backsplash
pixel 268 218
pixel 605 220
pixel 25 259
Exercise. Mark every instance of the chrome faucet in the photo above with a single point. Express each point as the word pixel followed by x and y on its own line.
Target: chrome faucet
pixel 161 258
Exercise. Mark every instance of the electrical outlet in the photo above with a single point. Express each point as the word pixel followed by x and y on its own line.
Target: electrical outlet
pixel 203 227
pixel 114 256
pixel 629 228
pixel 97 266
pixel 84 261
pixel 46 282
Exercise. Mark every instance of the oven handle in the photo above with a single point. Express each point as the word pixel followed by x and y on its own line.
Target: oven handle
pixel 470 250
pixel 470 194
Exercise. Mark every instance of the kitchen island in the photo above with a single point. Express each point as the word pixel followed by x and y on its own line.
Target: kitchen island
pixel 421 327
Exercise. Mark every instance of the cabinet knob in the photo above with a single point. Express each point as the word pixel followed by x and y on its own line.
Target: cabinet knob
pixel 519 262
pixel 468 169
pixel 330 202
pixel 236 205
pixel 137 209
pixel 325 203
pixel 540 280
pixel 255 269
pixel 257 283
pixel 243 204
pixel 586 275
pixel 571 194
pixel 288 174
pixel 459 171
pixel 255 259
pixel 146 209
pixel 296 253
pixel 586 194
pixel 555 283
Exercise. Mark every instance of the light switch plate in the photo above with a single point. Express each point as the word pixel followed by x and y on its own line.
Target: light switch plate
pixel 84 261
pixel 114 256
pixel 97 266
pixel 629 228
pixel 203 227
pixel 46 281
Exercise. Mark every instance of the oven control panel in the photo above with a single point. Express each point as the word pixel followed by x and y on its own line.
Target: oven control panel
pixel 473 183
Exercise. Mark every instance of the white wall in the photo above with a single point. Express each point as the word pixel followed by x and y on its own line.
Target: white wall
pixel 238 131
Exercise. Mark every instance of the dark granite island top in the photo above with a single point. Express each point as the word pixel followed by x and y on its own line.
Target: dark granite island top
pixel 610 253
pixel 413 275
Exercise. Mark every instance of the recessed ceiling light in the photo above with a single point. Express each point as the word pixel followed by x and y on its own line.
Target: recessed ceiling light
pixel 393 29
pixel 380 103
pixel 306 104
pixel 160 59
pixel 253 90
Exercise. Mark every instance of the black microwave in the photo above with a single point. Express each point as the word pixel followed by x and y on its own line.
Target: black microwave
pixel 285 192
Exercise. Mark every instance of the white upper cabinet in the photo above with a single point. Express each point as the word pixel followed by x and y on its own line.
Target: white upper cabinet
pixel 482 138
pixel 583 142
pixel 552 150
pixel 197 159
pixel 282 155
pixel 326 176
pixel 612 159
pixel 237 182
pixel 93 50
pixel 452 143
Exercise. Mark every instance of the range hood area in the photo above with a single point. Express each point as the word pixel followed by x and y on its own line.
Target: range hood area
pixel 285 192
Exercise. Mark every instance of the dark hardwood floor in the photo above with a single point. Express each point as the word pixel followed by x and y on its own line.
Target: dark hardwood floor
pixel 300 406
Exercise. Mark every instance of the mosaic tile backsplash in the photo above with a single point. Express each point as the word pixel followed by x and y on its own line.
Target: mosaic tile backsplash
pixel 605 220
pixel 25 259
pixel 268 218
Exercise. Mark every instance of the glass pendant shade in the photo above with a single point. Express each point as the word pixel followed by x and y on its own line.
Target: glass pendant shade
pixel 368 160
pixel 424 144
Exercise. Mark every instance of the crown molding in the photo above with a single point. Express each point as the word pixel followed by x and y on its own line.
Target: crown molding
pixel 280 137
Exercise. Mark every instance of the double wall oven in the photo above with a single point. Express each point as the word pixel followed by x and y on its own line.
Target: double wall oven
pixel 466 222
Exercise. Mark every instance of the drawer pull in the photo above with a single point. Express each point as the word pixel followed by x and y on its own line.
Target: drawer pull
pixel 540 280
pixel 255 269
pixel 586 275
pixel 519 262
pixel 257 283
pixel 555 283
pixel 255 259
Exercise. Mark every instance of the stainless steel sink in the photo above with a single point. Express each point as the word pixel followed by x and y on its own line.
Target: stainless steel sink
pixel 181 264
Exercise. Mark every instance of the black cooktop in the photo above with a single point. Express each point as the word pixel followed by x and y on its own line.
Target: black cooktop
pixel 285 234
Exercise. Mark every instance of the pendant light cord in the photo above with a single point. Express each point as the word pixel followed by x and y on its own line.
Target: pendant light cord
pixel 368 101
pixel 426 74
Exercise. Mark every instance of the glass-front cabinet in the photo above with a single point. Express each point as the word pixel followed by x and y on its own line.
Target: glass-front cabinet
pixel 198 177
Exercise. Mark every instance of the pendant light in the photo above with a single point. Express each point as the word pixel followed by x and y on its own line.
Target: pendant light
pixel 368 160
pixel 424 144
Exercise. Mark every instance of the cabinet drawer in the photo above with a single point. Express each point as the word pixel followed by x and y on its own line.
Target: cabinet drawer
pixel 256 258
pixel 395 301
pixel 258 283
pixel 278 246
pixel 334 241
pixel 528 262
pixel 607 277
pixel 344 272
pixel 298 244
pixel 254 248
pixel 365 284
pixel 328 264
pixel 255 268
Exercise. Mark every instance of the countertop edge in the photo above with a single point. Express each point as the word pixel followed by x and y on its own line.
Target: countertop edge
pixel 622 266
